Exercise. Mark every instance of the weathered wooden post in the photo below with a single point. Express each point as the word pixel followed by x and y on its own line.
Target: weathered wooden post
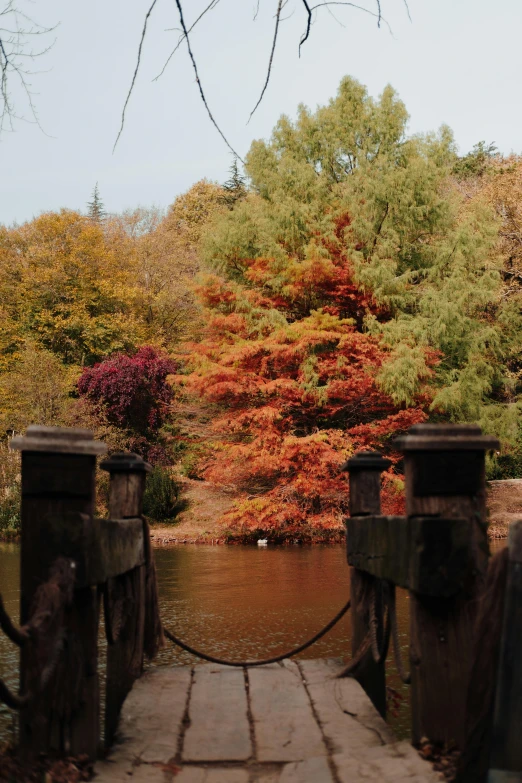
pixel 506 747
pixel 126 593
pixel 365 470
pixel 445 479
pixel 58 486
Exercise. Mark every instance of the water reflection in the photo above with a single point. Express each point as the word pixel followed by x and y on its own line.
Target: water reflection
pixel 253 602
pixel 236 602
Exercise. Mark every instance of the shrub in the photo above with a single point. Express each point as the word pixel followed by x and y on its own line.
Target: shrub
pixel 132 394
pixel 9 490
pixel 161 498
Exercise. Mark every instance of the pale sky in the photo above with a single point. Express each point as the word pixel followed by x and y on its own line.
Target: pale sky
pixel 457 62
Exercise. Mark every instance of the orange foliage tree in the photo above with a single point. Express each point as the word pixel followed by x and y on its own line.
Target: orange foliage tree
pixel 293 377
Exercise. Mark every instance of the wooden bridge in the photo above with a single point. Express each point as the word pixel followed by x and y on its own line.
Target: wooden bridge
pixel 310 721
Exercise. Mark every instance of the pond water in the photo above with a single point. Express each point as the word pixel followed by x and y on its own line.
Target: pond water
pixel 237 602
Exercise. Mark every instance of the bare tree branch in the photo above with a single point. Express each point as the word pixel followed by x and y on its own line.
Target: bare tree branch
pixel 209 7
pixel 138 63
pixel 378 13
pixel 308 23
pixel 17 29
pixel 274 42
pixel 195 67
pixel 353 5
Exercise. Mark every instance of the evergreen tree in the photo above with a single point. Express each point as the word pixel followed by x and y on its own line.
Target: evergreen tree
pixel 96 208
pixel 235 187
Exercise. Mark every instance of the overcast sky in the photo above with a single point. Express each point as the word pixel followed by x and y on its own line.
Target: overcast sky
pixel 457 62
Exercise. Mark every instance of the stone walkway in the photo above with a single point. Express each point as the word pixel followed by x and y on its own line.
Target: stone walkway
pixel 283 723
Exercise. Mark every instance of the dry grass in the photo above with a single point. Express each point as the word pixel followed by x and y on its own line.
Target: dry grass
pixel 199 522
pixel 504 505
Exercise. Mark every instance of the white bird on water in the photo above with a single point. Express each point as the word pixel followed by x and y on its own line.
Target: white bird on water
pixel 262 541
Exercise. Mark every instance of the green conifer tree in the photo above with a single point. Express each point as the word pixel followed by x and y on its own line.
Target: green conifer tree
pixel 235 186
pixel 96 208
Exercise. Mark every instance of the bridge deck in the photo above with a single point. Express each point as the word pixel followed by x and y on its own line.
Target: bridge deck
pixel 283 723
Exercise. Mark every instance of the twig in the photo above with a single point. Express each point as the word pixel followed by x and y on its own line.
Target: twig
pixel 354 5
pixel 378 13
pixel 407 9
pixel 308 23
pixel 209 7
pixel 257 10
pixel 133 82
pixel 185 31
pixel 13 52
pixel 269 71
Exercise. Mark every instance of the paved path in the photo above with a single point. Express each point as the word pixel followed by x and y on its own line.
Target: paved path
pixel 283 723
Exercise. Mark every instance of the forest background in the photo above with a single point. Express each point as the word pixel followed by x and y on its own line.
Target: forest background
pixel 353 282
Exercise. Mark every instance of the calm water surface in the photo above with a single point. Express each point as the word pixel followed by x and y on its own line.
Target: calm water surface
pixel 236 602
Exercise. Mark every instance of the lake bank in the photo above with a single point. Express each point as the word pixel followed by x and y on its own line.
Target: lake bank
pixel 199 522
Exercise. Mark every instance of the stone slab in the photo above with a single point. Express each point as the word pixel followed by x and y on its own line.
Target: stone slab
pixel 308 727
pixel 212 775
pixel 218 713
pixel 151 718
pixel 284 725
pixel 347 717
pixel 315 770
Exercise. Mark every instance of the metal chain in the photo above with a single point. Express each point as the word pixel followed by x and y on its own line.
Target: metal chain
pixel 264 662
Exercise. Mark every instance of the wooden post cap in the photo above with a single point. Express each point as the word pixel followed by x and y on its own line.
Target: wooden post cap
pixel 366 460
pixel 125 462
pixel 446 437
pixel 58 440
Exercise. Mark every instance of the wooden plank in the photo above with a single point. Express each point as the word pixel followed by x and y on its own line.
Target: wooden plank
pixel 218 714
pixel 506 748
pixel 284 725
pixel 379 545
pixel 118 548
pixel 101 548
pixel 428 555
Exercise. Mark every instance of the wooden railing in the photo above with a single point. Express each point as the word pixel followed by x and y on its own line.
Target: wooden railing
pixel 108 558
pixel 439 552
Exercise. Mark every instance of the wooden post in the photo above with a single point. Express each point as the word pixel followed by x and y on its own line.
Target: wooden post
pixel 58 478
pixel 125 654
pixel 365 471
pixel 506 747
pixel 445 478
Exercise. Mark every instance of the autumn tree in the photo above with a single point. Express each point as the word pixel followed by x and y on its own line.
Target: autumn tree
pixel 63 286
pixel 163 250
pixel 355 293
